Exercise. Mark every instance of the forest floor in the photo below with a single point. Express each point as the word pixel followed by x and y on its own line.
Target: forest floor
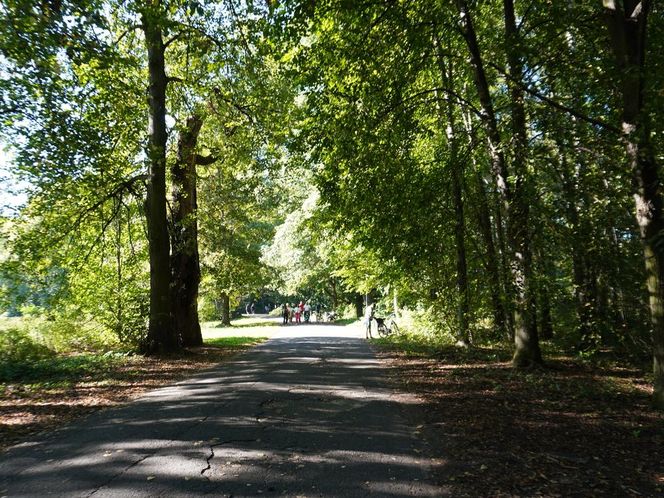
pixel 54 392
pixel 569 429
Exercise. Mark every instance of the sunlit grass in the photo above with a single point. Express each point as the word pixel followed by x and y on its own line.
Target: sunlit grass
pixel 243 322
pixel 254 327
pixel 235 341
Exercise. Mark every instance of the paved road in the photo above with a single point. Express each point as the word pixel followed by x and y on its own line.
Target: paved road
pixel 308 413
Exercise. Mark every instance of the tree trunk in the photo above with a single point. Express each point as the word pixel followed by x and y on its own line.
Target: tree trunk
pixel 161 333
pixel 543 296
pixel 456 167
pixel 359 302
pixel 333 293
pixel 463 338
pixel 505 271
pixel 185 268
pixel 584 306
pixel 526 338
pixel 225 309
pixel 500 319
pixel 527 351
pixel 628 28
pixel 119 311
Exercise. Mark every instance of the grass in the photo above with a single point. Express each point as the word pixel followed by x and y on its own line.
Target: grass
pixel 235 342
pixel 63 369
pixel 248 322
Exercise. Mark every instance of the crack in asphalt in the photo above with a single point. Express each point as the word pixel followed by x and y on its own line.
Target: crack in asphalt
pixel 143 458
pixel 132 465
pixel 213 446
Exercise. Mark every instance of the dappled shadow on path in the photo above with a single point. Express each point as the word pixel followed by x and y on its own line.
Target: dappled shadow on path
pixel 296 417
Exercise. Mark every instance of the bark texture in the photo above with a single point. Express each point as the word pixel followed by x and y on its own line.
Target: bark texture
pixel 527 350
pixel 225 309
pixel 161 333
pixel 185 267
pixel 628 29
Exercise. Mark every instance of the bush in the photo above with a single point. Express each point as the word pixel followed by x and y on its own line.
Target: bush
pixel 66 334
pixel 207 309
pixel 17 345
pixel 428 322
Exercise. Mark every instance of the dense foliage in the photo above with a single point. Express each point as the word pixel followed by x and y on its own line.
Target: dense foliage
pixel 475 164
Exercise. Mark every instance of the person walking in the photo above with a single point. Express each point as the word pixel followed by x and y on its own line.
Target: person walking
pixel 368 316
pixel 284 313
pixel 307 312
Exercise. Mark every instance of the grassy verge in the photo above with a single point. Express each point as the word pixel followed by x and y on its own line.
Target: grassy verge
pixel 571 428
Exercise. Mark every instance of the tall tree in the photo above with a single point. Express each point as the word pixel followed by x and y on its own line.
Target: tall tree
pixel 628 29
pixel 185 267
pixel 511 186
pixel 162 336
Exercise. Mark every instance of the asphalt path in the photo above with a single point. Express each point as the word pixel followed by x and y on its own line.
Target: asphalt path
pixel 310 412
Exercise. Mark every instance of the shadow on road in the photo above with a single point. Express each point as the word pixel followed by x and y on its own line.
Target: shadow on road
pixel 303 416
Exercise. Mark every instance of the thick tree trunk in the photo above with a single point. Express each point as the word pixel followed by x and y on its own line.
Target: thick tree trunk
pixel 185 268
pixel 628 29
pixel 527 351
pixel 225 309
pixel 161 333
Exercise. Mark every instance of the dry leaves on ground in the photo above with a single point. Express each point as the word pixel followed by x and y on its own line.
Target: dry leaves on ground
pixel 26 410
pixel 566 430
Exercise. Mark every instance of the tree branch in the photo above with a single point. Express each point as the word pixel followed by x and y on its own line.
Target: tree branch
pixel 173 38
pixel 131 28
pixel 242 109
pixel 125 185
pixel 174 79
pixel 554 104
pixel 457 99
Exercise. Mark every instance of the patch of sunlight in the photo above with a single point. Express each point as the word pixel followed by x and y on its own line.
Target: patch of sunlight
pixel 246 327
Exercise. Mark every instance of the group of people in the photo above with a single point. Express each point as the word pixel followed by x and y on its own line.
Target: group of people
pixel 290 312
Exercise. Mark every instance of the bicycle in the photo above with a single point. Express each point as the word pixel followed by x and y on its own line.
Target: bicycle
pixel 386 325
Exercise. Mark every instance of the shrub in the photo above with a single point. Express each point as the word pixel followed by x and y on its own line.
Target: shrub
pixel 17 345
pixel 65 334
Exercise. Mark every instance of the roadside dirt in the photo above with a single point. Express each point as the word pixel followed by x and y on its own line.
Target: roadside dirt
pixel 566 430
pixel 26 411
